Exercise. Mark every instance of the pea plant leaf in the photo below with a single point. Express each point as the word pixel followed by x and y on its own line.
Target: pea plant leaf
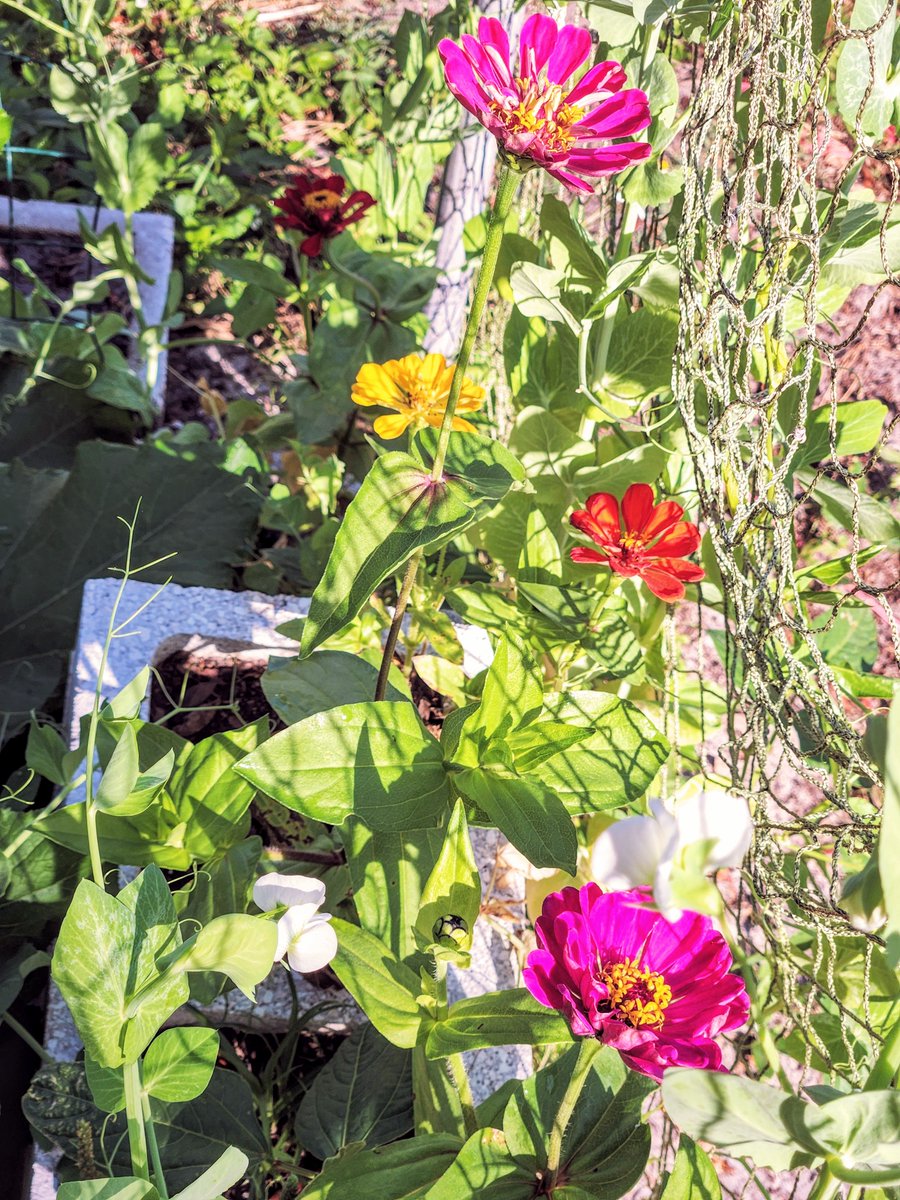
pixel 399 509
pixel 179 1063
pixel 376 761
pixel 693 1177
pixel 402 1171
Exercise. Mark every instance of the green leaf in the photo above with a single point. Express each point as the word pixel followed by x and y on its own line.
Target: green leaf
pixel 124 789
pixel 485 1170
pixel 257 274
pixel 853 71
pixel 736 1115
pixel 530 815
pixel 507 1018
pixel 237 945
pixel 374 761
pixel 859 1128
pixel 537 292
pixel 570 246
pixel 385 989
pixel 106 953
pixel 858 426
pixel 876 522
pixel 179 1063
pixel 15 969
pixel 614 765
pixel 399 509
pixel 210 798
pixel 148 164
pixel 362 1095
pixel 606 1144
pixel 229 1168
pixel 889 834
pixel 640 356
pixel 46 753
pixel 78 536
pixel 150 837
pixel 301 687
pixel 130 1188
pixel 454 885
pixel 107 1085
pixel 512 695
pixel 388 872
pixel 693 1176
pixel 403 1171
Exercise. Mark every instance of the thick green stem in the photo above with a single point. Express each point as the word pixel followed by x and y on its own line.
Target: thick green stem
pixel 137 1137
pixel 586 1052
pixel 31 1042
pixel 150 1131
pixel 507 186
pixel 394 632
pixel 459 1076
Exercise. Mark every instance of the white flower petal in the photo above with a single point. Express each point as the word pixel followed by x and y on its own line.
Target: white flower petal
pixel 271 890
pixel 719 817
pixel 315 947
pixel 628 853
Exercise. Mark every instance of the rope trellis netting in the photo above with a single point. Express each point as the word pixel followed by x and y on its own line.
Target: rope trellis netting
pixel 766 254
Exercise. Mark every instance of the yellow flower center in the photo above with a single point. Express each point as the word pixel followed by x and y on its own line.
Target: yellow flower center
pixel 631 541
pixel 324 198
pixel 639 996
pixel 539 108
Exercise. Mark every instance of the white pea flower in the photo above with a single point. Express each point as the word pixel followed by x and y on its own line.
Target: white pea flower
pixel 702 828
pixel 304 934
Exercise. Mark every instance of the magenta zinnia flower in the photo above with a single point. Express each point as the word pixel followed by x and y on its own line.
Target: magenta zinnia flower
pixel 656 990
pixel 534 114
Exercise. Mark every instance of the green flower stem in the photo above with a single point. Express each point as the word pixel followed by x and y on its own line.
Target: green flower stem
pixel 390 645
pixel 301 270
pixel 137 1136
pixel 507 186
pixel 887 1064
pixel 586 1052
pixel 150 1131
pixel 459 1076
pixel 31 1042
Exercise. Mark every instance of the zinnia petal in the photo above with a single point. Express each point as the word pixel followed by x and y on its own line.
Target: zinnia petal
pixel 597 83
pixel 662 583
pixel 536 42
pixel 637 507
pixel 584 554
pixel 572 47
pixel 392 426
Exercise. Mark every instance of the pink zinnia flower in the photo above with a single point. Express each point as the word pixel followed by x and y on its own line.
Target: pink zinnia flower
pixel 534 114
pixel 658 991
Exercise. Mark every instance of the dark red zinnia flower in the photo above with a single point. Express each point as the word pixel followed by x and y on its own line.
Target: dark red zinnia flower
pixel 649 540
pixel 315 204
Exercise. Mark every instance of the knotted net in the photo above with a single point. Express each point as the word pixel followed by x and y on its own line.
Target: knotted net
pixel 755 357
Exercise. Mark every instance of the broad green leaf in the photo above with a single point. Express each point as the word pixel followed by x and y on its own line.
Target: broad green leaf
pixel 46 753
pixel 853 71
pixel 229 1168
pixel 454 886
pixel 363 1094
pixel 570 246
pixel 41 879
pixel 531 816
pixel 388 872
pixel 179 1063
pixel 537 292
pixel 485 1170
pixel 209 797
pixel 544 445
pixel 403 1171
pixel 15 969
pixel 150 837
pixel 736 1115
pixel 693 1176
pixel 858 426
pixel 542 740
pixel 78 536
pixel 507 1018
pixel 639 363
pixel 614 765
pixel 120 775
pixel 876 521
pixel 374 761
pixel 859 1128
pixel 384 988
pixel 444 677
pixel 107 1085
pixel 130 1188
pixel 301 687
pixel 606 1143
pixel 106 953
pixel 889 834
pixel 399 509
pixel 237 945
pixel 512 693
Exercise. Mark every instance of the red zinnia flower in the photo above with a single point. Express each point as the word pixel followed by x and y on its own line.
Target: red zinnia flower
pixel 534 111
pixel 314 205
pixel 650 540
pixel 657 991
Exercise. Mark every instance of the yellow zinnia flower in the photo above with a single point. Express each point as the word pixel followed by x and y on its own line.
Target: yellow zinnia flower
pixel 418 388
